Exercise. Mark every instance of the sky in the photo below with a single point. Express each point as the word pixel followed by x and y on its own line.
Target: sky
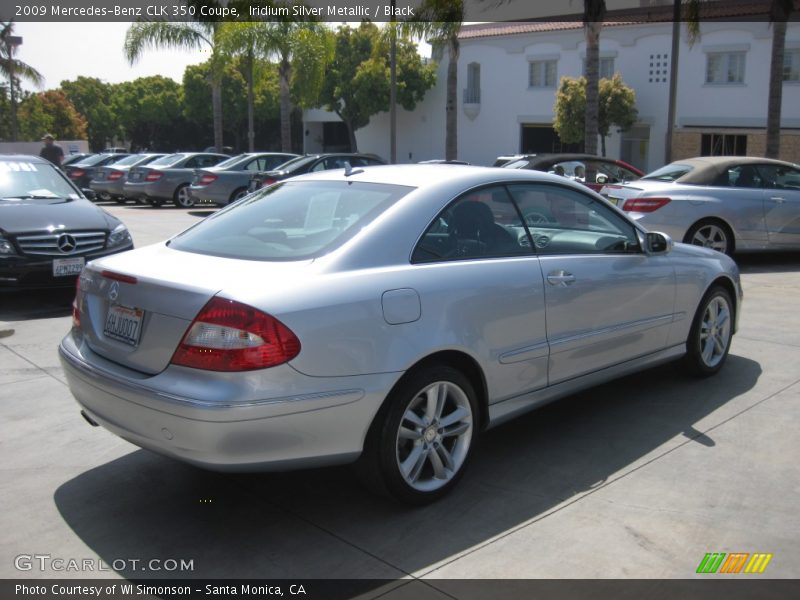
pixel 62 51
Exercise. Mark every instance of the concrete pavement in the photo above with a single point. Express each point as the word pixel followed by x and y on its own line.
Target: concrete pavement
pixel 638 478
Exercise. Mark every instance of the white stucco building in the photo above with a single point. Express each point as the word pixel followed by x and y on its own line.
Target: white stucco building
pixel 508 74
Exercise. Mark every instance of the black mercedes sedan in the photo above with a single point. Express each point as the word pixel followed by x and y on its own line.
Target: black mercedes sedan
pixel 311 163
pixel 48 229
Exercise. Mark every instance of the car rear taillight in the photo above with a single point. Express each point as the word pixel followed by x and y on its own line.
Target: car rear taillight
pixel 645 205
pixel 206 179
pixel 114 175
pixel 268 181
pixel 77 173
pixel 230 336
pixel 76 305
pixel 153 176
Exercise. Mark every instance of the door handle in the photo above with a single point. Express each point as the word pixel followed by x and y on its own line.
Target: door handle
pixel 778 199
pixel 561 278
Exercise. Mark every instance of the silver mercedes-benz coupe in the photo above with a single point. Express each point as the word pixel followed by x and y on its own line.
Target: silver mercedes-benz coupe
pixel 384 316
pixel 728 203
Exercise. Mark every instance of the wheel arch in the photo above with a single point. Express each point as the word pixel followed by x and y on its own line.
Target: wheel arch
pixel 716 219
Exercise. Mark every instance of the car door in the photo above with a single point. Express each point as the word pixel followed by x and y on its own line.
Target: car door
pixel 781 204
pixel 606 301
pixel 482 289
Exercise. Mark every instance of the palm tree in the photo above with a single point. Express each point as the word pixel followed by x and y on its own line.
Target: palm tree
pixel 189 35
pixel 594 11
pixel 439 21
pixel 779 14
pixel 241 38
pixel 14 70
pixel 290 41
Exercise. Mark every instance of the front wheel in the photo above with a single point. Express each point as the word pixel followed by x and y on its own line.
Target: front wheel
pixel 420 447
pixel 711 333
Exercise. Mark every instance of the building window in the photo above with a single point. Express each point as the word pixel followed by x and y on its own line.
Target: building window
pixel 472 93
pixel 791 65
pixel 725 67
pixel 542 73
pixel 606 67
pixel 723 144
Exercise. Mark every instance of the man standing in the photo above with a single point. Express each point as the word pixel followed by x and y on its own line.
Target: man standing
pixel 51 151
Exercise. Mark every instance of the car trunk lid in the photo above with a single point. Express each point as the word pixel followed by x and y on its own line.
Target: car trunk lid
pixel 136 307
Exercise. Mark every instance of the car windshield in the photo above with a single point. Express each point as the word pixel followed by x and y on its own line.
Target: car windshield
pixel 128 160
pixel 169 159
pixel 296 163
pixel 232 161
pixel 517 164
pixel 20 179
pixel 291 220
pixel 92 160
pixel 670 172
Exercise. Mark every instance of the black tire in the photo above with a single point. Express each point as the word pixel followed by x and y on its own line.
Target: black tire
pixel 711 233
pixel 434 446
pixel 238 195
pixel 711 334
pixel 182 198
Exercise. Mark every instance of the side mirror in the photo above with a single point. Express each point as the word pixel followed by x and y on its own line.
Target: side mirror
pixel 656 243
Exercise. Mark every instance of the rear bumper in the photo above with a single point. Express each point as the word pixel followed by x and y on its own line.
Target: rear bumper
pixel 112 188
pixel 297 421
pixel 204 195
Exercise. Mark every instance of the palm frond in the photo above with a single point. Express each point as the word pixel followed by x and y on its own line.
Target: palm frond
pixel 154 35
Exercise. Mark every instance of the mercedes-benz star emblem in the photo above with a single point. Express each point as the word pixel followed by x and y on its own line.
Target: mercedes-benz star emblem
pixel 113 291
pixel 66 243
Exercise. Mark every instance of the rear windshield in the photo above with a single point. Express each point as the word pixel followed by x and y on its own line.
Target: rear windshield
pixel 90 161
pixel 296 163
pixel 669 172
pixel 20 179
pixel 169 159
pixel 232 161
pixel 517 164
pixel 128 160
pixel 293 220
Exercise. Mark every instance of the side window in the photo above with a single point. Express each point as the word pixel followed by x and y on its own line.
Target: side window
pixel 480 224
pixel 320 166
pixel 779 177
pixel 565 221
pixel 744 176
pixel 192 163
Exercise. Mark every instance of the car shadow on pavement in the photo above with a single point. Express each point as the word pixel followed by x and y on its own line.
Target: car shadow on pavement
pixel 769 262
pixel 322 524
pixel 25 305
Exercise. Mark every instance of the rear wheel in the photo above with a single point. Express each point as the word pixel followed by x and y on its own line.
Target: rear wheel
pixel 419 446
pixel 183 197
pixel 712 234
pixel 237 195
pixel 711 334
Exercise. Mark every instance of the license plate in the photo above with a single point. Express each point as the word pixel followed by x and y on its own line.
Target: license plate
pixel 124 324
pixel 614 201
pixel 63 267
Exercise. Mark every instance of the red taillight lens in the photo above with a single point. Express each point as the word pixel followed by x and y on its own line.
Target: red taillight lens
pixel 645 205
pixel 206 179
pixel 77 173
pixel 230 336
pixel 268 181
pixel 114 175
pixel 153 176
pixel 76 305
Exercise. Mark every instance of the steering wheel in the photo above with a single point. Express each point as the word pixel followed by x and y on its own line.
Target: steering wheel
pixel 536 218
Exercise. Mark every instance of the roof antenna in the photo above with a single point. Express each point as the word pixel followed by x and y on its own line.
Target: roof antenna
pixel 349 170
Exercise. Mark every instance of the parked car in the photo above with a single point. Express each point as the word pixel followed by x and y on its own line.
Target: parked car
pixel 109 181
pixel 167 179
pixel 385 315
pixel 507 158
pixel 82 172
pixel 728 203
pixel 312 163
pixel 48 230
pixel 574 166
pixel 442 161
pixel 228 181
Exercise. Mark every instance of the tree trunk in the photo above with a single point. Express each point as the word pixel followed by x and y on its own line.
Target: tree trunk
pixel 216 107
pixel 775 89
pixel 603 145
pixel 451 104
pixel 673 79
pixel 285 70
pixel 592 83
pixel 12 91
pixel 251 133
